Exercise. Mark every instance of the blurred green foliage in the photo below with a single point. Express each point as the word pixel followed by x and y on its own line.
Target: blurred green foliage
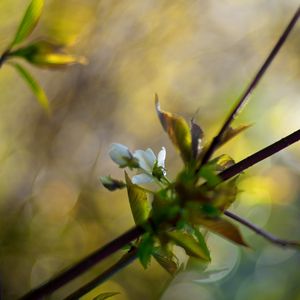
pixel 197 55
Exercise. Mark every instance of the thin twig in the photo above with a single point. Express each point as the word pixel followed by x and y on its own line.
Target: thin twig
pixel 85 264
pixel 268 236
pixel 119 265
pixel 100 254
pixel 243 98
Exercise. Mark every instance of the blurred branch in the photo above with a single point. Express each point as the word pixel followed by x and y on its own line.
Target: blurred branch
pixel 273 239
pixel 115 245
pixel 243 98
pixel 125 260
pixel 84 265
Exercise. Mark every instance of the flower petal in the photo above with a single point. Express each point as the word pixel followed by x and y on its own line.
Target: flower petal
pixel 161 157
pixel 120 154
pixel 146 159
pixel 142 178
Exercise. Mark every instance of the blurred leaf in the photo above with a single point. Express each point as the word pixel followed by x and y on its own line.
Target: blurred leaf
pixel 28 22
pixel 208 172
pixel 145 249
pixel 178 131
pixel 201 241
pixel 232 132
pixel 191 246
pixel 47 54
pixel 104 296
pixel 226 194
pixel 197 137
pixel 224 228
pixel 35 87
pixel 222 162
pixel 138 200
pixel 111 183
pixel 165 260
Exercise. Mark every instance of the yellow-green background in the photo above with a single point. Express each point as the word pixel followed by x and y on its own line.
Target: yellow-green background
pixel 198 55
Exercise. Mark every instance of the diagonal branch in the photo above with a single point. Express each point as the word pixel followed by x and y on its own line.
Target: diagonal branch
pixel 123 262
pixel 245 95
pixel 100 254
pixel 268 236
pixel 84 265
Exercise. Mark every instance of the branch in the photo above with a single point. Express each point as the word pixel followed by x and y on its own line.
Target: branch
pixel 243 98
pixel 273 239
pixel 125 260
pixel 85 264
pixel 260 155
pixel 100 254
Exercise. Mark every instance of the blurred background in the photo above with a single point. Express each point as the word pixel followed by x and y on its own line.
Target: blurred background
pixel 198 55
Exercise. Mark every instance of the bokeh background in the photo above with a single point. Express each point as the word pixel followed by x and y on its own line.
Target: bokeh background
pixel 198 55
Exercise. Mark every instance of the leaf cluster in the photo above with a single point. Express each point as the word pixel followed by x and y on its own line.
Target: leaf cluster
pixel 182 210
pixel 40 53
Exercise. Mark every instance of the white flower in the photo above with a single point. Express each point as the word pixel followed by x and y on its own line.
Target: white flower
pixel 121 155
pixel 152 168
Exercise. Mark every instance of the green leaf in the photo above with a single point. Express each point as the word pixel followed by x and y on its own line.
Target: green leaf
pixel 222 162
pixel 232 132
pixel 178 131
pixel 191 246
pixel 223 228
pixel 104 296
pixel 35 87
pixel 28 22
pixel 138 200
pixel 112 184
pixel 46 54
pixel 208 172
pixel 145 249
pixel 197 139
pixel 166 260
pixel 226 194
pixel 201 241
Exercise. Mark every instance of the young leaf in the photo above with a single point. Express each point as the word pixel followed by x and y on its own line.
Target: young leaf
pixel 46 54
pixel 138 200
pixel 223 228
pixel 201 241
pixel 104 296
pixel 226 194
pixel 222 162
pixel 28 22
pixel 145 249
pixel 111 183
pixel 35 87
pixel 178 131
pixel 232 132
pixel 208 172
pixel 191 246
pixel 197 137
pixel 165 260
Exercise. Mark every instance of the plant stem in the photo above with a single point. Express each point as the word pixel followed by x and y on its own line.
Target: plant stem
pixel 273 239
pixel 260 155
pixel 245 95
pixel 119 265
pixel 85 264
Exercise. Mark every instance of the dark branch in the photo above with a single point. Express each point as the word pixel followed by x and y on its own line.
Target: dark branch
pixel 273 239
pixel 119 265
pixel 243 98
pixel 85 264
pixel 260 155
